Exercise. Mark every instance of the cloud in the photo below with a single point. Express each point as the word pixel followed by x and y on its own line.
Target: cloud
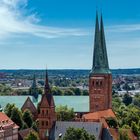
pixel 15 20
pixel 124 28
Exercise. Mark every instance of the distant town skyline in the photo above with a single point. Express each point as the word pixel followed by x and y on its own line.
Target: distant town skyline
pixel 60 34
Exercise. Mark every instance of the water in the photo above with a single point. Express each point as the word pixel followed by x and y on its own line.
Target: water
pixel 79 103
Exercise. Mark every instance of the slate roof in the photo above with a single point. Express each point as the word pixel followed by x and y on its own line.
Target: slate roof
pixel 94 128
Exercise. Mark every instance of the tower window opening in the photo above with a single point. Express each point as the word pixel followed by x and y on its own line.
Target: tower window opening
pixel 42 123
pixel 93 83
pixel 46 123
pixel 43 112
pixel 97 83
pixel 47 112
pixel 101 83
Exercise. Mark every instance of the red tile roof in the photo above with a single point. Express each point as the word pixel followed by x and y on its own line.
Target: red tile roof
pixel 5 121
pixel 96 116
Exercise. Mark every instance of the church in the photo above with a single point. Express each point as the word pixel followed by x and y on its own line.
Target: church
pixel 100 100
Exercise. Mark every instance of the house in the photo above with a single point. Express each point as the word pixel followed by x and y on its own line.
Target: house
pixel 8 129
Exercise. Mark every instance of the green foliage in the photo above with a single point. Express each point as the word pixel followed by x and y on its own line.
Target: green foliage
pixel 27 118
pixel 77 134
pixel 5 90
pixel 16 116
pixel 128 116
pixel 112 122
pixel 35 126
pixel 77 91
pixel 8 109
pixel 127 99
pixel 64 113
pixel 136 101
pixel 123 135
pixel 56 91
pixel 135 128
pixel 32 136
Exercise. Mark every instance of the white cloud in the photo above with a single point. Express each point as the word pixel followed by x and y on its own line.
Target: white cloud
pixel 124 28
pixel 14 21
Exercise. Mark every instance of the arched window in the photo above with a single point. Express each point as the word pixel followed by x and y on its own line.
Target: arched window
pixel 97 83
pixel 101 83
pixel 42 123
pixel 47 112
pixel 47 123
pixel 43 112
pixel 93 83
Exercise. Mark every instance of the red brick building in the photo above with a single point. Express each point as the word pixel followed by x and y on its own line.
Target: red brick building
pixel 100 79
pixel 46 114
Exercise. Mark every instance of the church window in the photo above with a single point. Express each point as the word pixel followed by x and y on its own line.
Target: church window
pixel 101 83
pixel 43 112
pixel 46 123
pixel 47 112
pixel 96 106
pixel 97 83
pixel 93 83
pixel 42 123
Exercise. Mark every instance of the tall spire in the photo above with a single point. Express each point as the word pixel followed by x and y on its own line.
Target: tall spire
pixel 103 44
pixel 34 89
pixel 47 87
pixel 47 91
pixel 100 60
pixel 96 40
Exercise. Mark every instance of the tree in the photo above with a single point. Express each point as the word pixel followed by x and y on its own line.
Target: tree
pixel 77 91
pixel 64 113
pixel 135 128
pixel 8 109
pixel 35 126
pixel 27 118
pixel 77 134
pixel 16 116
pixel 68 92
pixel 123 135
pixel 112 122
pixel 32 136
pixel 127 99
pixel 136 100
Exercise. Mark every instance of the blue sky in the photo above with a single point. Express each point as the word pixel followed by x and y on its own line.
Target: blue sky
pixel 60 33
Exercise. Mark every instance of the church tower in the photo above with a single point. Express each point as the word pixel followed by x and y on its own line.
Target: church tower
pixel 100 78
pixel 34 90
pixel 46 114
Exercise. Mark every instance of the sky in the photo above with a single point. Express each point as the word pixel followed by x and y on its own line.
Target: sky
pixel 59 34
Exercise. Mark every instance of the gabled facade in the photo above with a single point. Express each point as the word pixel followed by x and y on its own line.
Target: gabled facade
pixel 100 78
pixel 29 105
pixel 46 114
pixel 8 129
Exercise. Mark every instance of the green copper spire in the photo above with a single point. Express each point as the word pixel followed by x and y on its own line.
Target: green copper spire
pixel 34 89
pixel 100 60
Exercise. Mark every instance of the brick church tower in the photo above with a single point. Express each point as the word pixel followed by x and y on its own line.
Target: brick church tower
pixel 100 78
pixel 46 114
